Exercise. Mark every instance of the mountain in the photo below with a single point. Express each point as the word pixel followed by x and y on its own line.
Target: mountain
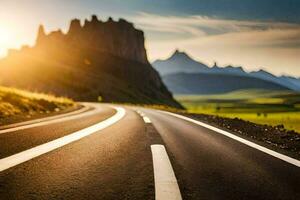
pixel 179 62
pixel 294 83
pixel 182 62
pixel 210 83
pixel 287 81
pixel 96 60
pixel 227 70
pixel 181 65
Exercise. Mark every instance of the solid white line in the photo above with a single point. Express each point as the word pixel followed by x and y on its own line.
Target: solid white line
pixel 52 120
pixel 147 120
pixel 166 186
pixel 29 154
pixel 81 110
pixel 239 139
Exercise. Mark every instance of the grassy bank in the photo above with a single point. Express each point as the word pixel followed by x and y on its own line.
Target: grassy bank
pixel 19 105
pixel 258 106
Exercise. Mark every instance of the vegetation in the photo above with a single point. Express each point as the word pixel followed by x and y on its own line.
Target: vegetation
pixel 17 105
pixel 258 106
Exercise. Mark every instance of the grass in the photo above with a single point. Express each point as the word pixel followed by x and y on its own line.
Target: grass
pixel 17 105
pixel 258 106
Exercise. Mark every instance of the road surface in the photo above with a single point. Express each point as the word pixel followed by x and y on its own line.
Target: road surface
pixel 117 152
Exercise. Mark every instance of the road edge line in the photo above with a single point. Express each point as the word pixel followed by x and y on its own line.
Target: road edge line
pixel 273 153
pixel 43 119
pixel 24 156
pixel 56 119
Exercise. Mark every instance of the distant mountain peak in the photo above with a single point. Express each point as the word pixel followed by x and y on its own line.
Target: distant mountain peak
pixel 215 65
pixel 177 51
pixel 180 55
pixel 180 62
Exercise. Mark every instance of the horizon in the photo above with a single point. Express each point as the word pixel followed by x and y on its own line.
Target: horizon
pixel 268 41
pixel 149 99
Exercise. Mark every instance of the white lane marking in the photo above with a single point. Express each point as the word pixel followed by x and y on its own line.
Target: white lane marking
pixel 166 186
pixel 141 114
pixel 239 139
pixel 81 110
pixel 54 120
pixel 29 154
pixel 147 120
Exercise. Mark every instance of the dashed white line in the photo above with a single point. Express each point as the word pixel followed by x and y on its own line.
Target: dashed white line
pixel 166 186
pixel 147 120
pixel 29 154
pixel 239 139
pixel 142 114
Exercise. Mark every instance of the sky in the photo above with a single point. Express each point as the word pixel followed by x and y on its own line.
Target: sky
pixel 255 34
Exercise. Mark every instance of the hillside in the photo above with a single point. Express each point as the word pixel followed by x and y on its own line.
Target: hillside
pixel 208 83
pixel 97 60
pixel 181 62
pixel 18 105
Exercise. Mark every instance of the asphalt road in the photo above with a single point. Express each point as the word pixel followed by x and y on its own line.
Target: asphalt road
pixel 108 153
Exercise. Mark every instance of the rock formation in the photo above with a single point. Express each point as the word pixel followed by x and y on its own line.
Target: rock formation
pixel 92 59
pixel 118 38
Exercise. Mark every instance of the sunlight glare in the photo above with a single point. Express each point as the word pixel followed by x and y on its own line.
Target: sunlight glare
pixel 6 40
pixel 5 36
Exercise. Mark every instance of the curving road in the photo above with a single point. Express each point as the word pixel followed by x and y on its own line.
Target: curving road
pixel 105 152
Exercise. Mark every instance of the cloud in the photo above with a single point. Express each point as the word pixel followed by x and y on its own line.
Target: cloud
pixel 197 26
pixel 253 44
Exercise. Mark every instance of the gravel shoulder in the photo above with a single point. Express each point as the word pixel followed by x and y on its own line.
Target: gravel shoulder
pixel 273 137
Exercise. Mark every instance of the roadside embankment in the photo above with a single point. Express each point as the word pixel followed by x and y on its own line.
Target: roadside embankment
pixel 19 105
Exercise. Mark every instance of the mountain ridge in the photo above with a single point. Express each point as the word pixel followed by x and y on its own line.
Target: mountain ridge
pixel 175 65
pixel 211 83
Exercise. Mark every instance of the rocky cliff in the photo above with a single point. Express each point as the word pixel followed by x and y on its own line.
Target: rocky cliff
pixel 106 60
pixel 118 38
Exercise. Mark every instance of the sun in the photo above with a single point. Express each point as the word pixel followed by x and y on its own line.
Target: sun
pixel 5 37
pixel 6 40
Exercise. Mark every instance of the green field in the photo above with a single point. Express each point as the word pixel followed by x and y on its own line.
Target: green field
pixel 259 106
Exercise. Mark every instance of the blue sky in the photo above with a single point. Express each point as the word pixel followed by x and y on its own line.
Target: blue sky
pixel 252 33
pixel 279 10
